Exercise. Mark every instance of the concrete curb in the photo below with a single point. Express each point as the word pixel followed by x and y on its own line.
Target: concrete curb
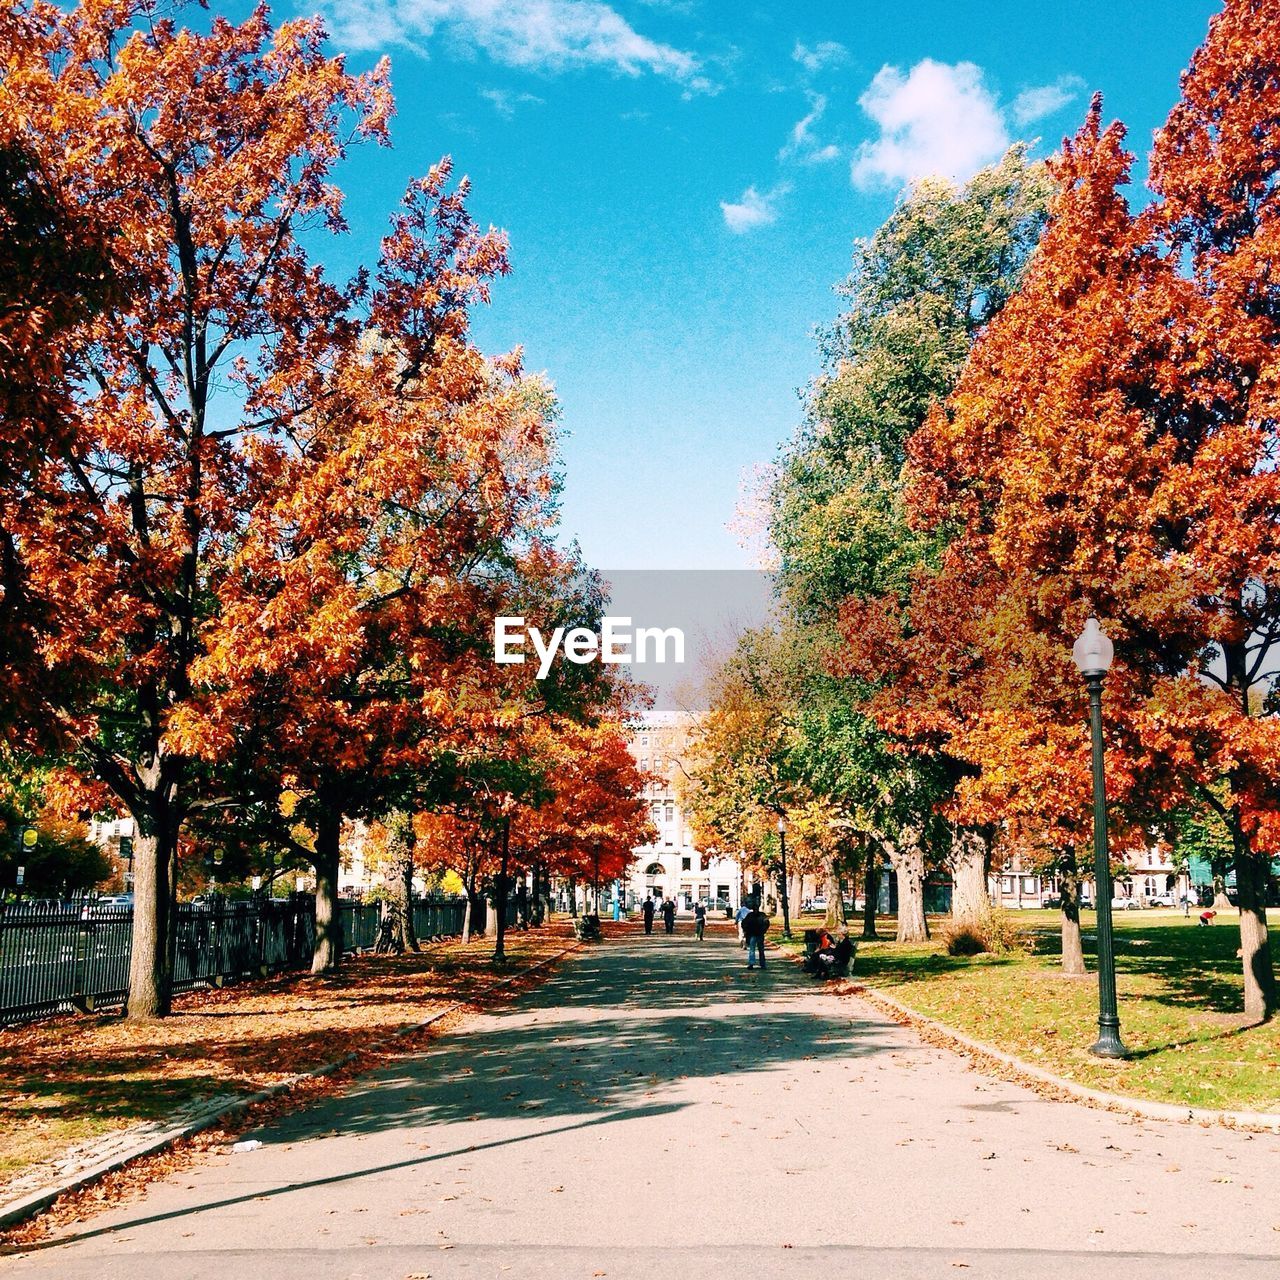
pixel 1255 1120
pixel 19 1210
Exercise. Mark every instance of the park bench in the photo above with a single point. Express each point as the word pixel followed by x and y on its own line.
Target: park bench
pixel 838 964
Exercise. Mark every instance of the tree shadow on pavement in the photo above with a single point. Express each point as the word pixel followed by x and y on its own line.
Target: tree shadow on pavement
pixel 258 1193
pixel 601 1036
pixel 611 1037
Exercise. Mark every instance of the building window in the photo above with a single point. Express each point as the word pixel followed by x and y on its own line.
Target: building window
pixel 1006 885
pixel 1029 884
pixel 671 813
pixel 686 864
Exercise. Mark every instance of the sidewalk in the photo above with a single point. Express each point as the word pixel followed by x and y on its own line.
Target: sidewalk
pixel 655 1105
pixel 78 1092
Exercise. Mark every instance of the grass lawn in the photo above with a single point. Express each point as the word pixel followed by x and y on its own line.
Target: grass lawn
pixel 1181 1006
pixel 70 1080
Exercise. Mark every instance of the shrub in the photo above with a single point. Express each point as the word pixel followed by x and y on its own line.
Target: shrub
pixel 1006 934
pixel 997 933
pixel 964 940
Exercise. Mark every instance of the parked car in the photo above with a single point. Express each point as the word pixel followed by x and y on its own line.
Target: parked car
pixel 1126 904
pixel 1161 900
pixel 107 905
pixel 818 904
pixel 1051 902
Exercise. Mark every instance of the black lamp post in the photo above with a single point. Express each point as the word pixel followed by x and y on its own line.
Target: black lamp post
pixel 786 915
pixel 1092 654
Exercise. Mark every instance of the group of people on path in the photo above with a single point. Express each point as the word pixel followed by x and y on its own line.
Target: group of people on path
pixel 667 907
pixel 752 923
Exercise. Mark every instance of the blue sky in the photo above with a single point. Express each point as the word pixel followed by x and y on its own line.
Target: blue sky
pixel 682 181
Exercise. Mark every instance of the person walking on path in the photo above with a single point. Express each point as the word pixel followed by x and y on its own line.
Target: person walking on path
pixel 646 910
pixel 669 915
pixel 754 927
pixel 743 912
pixel 700 919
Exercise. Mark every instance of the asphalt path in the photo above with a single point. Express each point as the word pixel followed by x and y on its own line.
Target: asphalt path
pixel 656 1109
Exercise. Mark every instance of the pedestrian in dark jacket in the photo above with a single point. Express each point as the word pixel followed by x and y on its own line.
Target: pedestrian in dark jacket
pixel 646 910
pixel 669 915
pixel 699 919
pixel 754 926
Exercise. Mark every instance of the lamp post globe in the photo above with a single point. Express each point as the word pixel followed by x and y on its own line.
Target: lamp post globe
pixel 1093 653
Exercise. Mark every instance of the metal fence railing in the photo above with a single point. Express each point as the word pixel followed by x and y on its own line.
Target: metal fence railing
pixel 56 957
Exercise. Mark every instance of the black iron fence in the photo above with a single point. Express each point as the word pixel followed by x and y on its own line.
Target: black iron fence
pixel 57 957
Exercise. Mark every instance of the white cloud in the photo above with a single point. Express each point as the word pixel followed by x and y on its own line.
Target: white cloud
pixel 505 101
pixel 1044 100
pixel 813 58
pixel 752 209
pixel 801 144
pixel 537 34
pixel 936 120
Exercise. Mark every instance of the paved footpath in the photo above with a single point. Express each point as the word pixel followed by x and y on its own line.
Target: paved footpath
pixel 655 1109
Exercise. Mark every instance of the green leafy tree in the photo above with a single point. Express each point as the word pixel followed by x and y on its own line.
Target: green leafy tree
pixel 922 289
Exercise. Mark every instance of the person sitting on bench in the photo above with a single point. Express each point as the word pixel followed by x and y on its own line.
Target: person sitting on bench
pixel 826 956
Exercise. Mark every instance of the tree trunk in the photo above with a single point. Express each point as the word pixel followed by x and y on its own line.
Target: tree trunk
pixel 469 888
pixel 1219 868
pixel 327 954
pixel 573 897
pixel 795 895
pixel 150 957
pixel 540 905
pixel 1255 948
pixel 907 857
pixel 835 898
pixel 1069 894
pixel 535 901
pixel 970 865
pixel 402 844
pixel 500 898
pixel 870 892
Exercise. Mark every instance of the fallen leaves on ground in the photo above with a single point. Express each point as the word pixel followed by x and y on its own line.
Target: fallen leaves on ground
pixel 70 1080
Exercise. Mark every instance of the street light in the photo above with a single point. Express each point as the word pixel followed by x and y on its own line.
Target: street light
pixel 786 916
pixel 1092 654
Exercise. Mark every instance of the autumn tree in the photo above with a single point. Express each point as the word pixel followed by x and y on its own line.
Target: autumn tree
pixel 1054 384
pixel 399 857
pixel 221 146
pixel 747 770
pixel 1214 171
pixel 55 273
pixel 1110 450
pixel 63 861
pixel 923 288
pixel 594 813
